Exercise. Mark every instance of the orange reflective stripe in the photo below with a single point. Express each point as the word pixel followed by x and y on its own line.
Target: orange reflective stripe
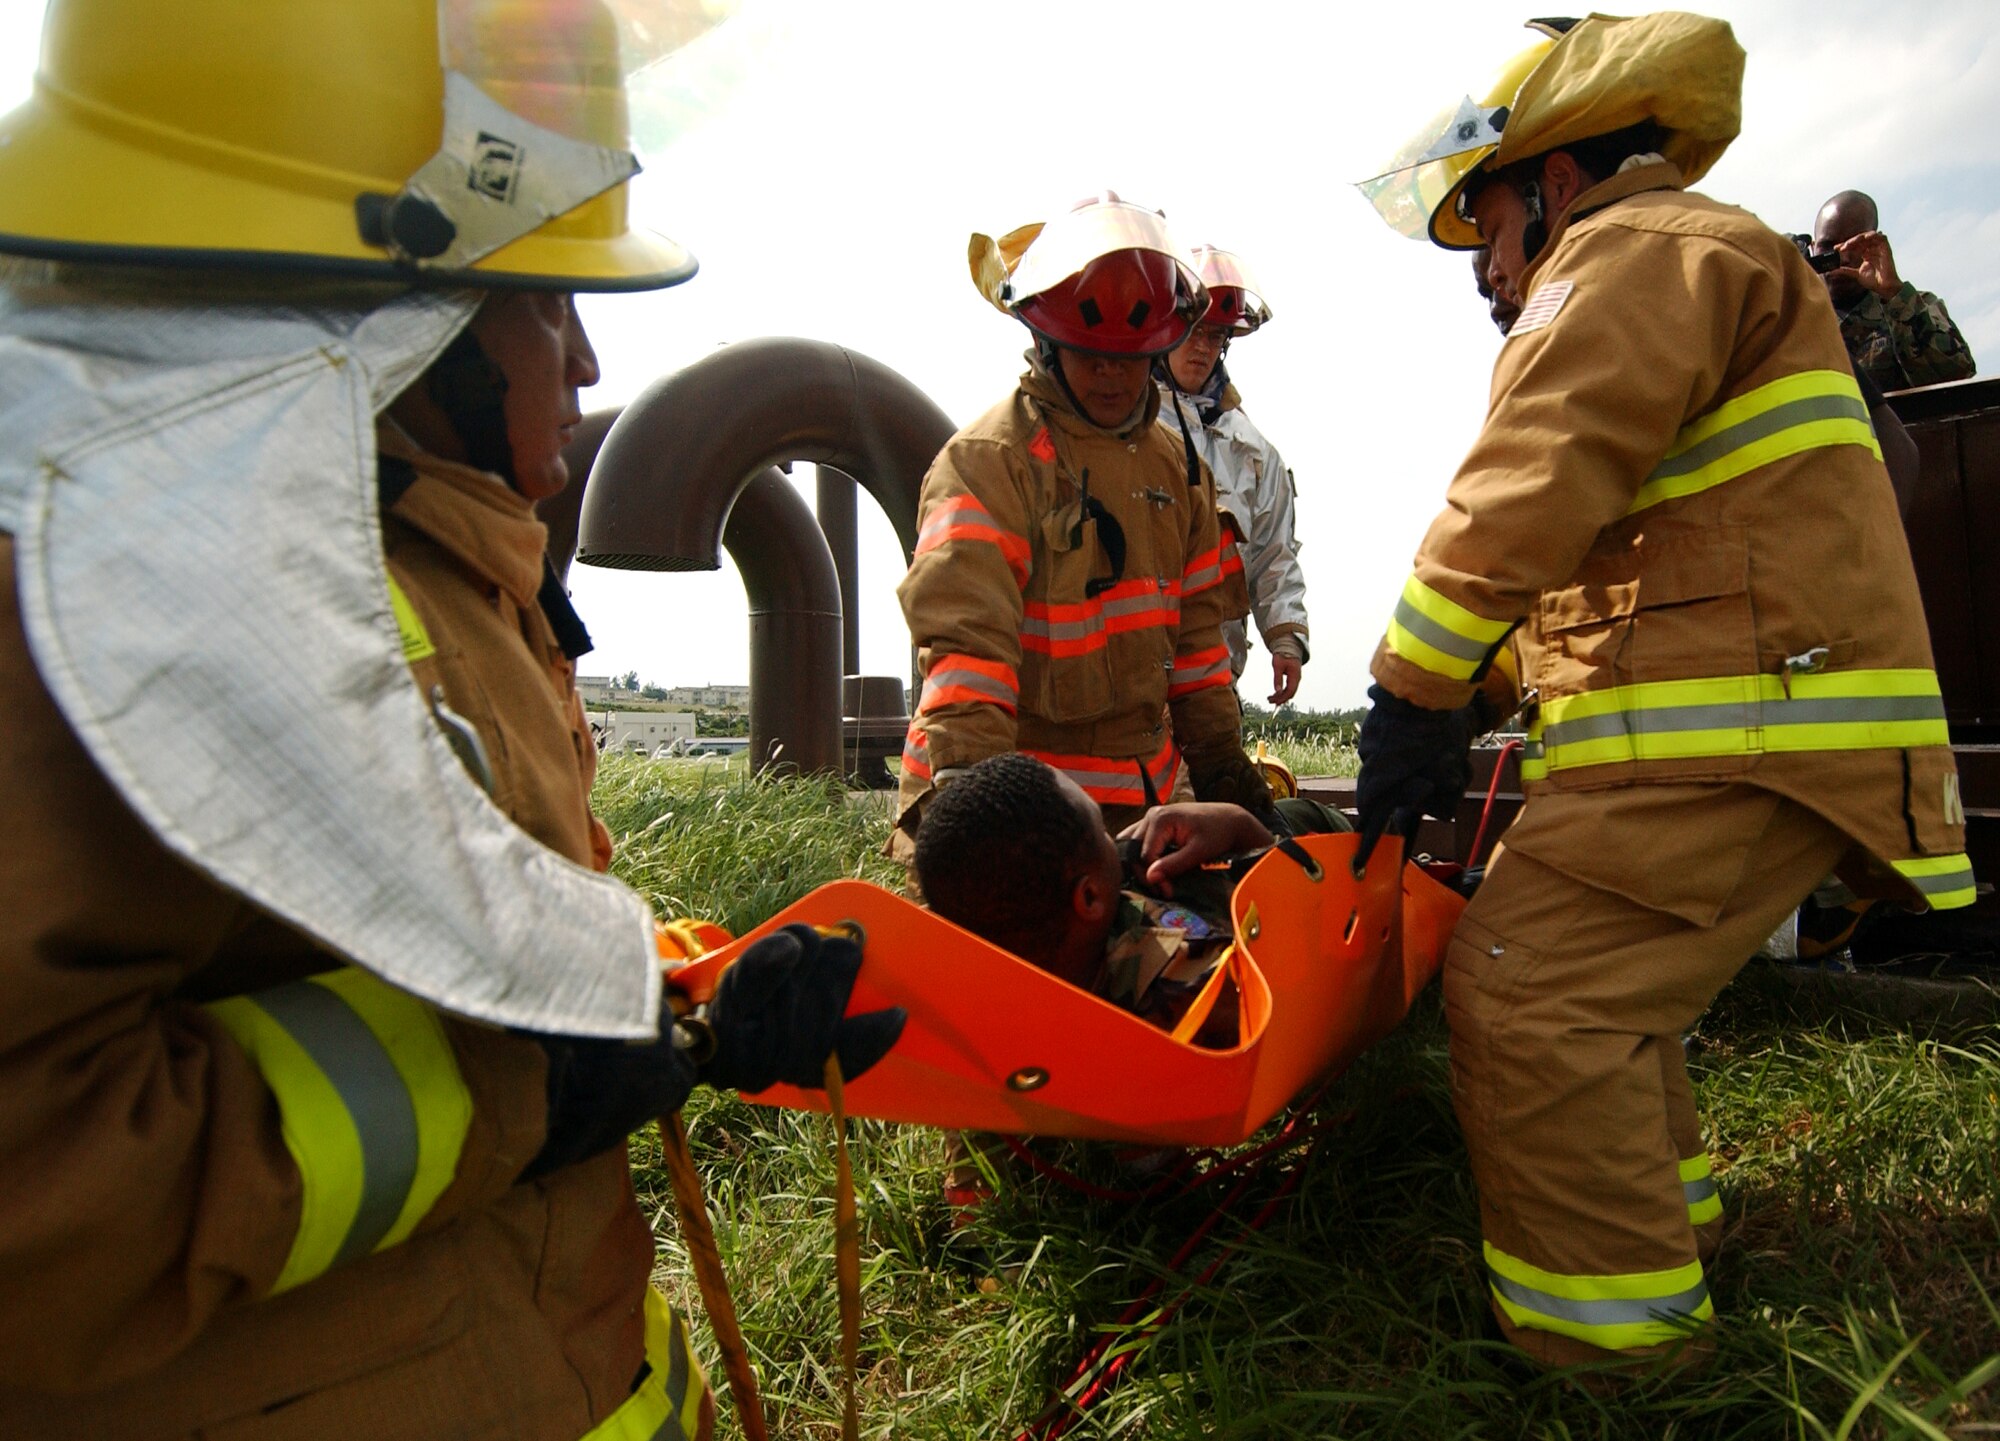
pixel 961 679
pixel 1079 627
pixel 964 518
pixel 917 753
pixel 1199 670
pixel 1116 781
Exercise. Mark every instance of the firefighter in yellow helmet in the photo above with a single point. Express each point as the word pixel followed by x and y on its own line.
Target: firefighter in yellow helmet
pixel 1733 691
pixel 1069 583
pixel 323 1027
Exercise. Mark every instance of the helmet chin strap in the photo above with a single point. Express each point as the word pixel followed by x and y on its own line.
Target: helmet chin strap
pixel 1534 234
pixel 471 390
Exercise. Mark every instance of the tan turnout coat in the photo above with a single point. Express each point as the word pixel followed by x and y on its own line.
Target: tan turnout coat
pixel 1030 637
pixel 149 1200
pixel 1700 546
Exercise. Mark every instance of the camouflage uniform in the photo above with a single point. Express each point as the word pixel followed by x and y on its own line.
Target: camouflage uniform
pixel 1159 956
pixel 1906 340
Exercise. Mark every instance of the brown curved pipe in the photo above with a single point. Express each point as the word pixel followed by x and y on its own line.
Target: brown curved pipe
pixel 561 511
pixel 671 468
pixel 794 592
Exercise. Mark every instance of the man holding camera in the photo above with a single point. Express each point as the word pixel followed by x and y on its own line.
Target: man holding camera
pixel 1899 336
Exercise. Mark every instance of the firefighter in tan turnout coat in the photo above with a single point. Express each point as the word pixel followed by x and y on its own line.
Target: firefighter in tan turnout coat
pixel 1731 690
pixel 321 1028
pixel 1071 578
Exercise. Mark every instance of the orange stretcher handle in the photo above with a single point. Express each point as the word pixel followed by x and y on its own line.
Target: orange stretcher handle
pixel 1204 1000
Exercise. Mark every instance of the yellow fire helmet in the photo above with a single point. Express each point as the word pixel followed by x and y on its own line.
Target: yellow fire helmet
pixel 481 142
pixel 1602 74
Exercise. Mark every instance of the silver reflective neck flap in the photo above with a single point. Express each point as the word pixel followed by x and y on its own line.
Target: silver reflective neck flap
pixel 190 482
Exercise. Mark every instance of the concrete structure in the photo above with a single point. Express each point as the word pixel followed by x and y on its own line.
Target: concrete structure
pixel 594 688
pixel 641 730
pixel 711 697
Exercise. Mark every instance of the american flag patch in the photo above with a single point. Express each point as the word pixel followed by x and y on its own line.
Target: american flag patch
pixel 1543 309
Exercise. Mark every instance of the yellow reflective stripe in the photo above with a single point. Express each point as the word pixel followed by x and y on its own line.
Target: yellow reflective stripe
pixel 1647 1308
pixel 1704 1201
pixel 666 1406
pixel 409 1030
pixel 323 1140
pixel 1741 716
pixel 1800 412
pixel 410 626
pixel 1946 881
pixel 371 1106
pixel 1430 630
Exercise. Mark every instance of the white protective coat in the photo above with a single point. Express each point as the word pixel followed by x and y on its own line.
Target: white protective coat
pixel 1253 487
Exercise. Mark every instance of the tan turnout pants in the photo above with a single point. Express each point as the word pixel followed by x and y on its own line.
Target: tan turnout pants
pixel 1567 1002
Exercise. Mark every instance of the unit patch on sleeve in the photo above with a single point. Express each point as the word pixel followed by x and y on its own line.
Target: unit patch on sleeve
pixel 1541 312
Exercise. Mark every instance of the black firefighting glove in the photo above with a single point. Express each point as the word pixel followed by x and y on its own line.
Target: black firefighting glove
pixel 776 1016
pixel 1414 762
pixel 1230 775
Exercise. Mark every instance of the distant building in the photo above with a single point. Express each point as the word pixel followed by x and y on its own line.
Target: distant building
pixel 641 730
pixel 711 697
pixel 594 687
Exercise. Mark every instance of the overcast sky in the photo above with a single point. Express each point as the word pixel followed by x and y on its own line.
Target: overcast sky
pixel 838 156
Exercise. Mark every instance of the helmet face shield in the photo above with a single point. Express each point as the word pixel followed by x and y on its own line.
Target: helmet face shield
pixel 1429 168
pixel 536 121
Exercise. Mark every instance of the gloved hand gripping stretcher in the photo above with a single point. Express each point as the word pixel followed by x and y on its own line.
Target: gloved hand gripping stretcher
pixel 1326 964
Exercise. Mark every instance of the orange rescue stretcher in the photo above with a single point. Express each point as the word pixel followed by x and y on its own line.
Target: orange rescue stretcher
pixel 1326 965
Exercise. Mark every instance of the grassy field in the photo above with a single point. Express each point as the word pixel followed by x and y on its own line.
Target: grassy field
pixel 1858 1290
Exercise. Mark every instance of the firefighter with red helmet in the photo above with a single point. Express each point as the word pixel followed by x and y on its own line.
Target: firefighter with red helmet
pixel 1253 486
pixel 1068 589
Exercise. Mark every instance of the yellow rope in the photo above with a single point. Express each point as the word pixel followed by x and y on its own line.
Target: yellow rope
pixel 708 1273
pixel 846 1256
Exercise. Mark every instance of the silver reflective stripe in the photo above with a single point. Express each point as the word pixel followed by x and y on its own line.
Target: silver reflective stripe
pixel 1958 880
pixel 1062 629
pixel 1699 1191
pixel 969 680
pixel 1757 427
pixel 1439 637
pixel 1613 1312
pixel 1150 600
pixel 1201 579
pixel 677 1384
pixel 374 1092
pixel 1184 675
pixel 1745 715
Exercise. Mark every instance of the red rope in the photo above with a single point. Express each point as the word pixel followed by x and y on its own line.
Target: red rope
pixel 1492 795
pixel 1071 1181
pixel 1094 1373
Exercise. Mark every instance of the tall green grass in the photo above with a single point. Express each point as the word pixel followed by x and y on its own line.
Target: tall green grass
pixel 1858 1290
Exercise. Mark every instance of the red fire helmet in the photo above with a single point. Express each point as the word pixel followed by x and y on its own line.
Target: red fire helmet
pixel 1129 303
pixel 1235 301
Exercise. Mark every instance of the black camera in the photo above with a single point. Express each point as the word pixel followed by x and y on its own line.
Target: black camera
pixel 1820 260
